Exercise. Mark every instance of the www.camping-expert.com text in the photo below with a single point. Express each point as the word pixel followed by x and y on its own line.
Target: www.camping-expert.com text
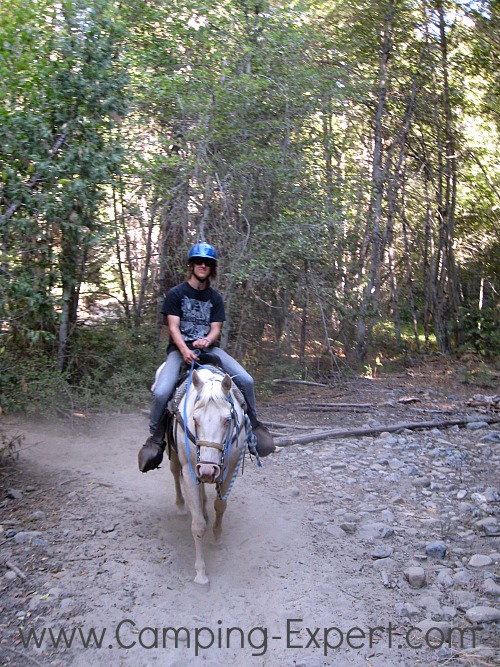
pixel 296 636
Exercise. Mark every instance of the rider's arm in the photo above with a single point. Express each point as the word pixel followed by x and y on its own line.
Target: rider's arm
pixel 212 337
pixel 174 327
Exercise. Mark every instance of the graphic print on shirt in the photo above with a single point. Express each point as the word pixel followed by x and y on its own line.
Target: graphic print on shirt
pixel 195 320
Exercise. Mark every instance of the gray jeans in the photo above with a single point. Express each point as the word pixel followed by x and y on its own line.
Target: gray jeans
pixel 167 379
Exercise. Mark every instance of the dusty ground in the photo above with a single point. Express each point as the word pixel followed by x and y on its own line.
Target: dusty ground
pixel 314 550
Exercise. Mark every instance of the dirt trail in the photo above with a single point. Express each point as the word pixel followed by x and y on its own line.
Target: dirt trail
pixel 112 554
pixel 139 574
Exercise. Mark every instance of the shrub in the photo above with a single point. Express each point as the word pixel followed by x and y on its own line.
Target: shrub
pixel 109 367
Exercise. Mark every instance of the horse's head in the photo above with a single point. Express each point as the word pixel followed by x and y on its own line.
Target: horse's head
pixel 212 420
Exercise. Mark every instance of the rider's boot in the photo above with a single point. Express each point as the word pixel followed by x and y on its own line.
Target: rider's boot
pixel 265 443
pixel 151 454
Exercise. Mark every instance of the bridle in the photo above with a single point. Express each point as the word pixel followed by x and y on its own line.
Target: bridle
pixel 232 435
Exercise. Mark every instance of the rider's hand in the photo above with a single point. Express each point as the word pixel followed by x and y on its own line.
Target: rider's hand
pixel 189 356
pixel 201 343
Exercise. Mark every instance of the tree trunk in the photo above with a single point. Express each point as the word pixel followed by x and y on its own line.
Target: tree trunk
pixel 303 337
pixel 126 305
pixel 128 250
pixel 72 263
pixel 64 328
pixel 409 281
pixel 450 165
pixel 145 269
pixel 172 243
pixel 363 338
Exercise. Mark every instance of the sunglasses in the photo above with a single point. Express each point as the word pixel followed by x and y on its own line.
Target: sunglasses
pixel 201 260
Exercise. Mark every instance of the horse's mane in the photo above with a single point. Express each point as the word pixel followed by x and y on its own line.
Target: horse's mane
pixel 212 386
pixel 212 390
pixel 215 392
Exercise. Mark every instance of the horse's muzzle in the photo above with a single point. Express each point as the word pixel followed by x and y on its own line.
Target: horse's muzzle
pixel 208 473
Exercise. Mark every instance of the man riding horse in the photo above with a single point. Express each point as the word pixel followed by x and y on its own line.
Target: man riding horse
pixel 194 314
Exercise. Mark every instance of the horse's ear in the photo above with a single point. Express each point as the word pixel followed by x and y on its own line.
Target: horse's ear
pixel 197 381
pixel 226 384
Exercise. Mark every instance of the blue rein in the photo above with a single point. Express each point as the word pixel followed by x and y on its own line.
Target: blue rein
pixel 186 437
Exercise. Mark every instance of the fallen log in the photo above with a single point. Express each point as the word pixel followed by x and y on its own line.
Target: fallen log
pixel 10 565
pixel 443 411
pixel 294 426
pixel 486 402
pixel 338 408
pixel 332 407
pixel 348 405
pixel 373 430
pixel 309 384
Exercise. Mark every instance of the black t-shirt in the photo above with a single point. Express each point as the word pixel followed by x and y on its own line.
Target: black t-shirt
pixel 197 310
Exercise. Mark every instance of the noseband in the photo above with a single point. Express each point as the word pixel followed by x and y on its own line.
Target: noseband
pixel 223 447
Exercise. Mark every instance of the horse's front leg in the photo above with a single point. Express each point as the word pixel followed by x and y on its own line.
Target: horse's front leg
pixel 220 508
pixel 194 496
pixel 220 505
pixel 175 468
pixel 198 528
pixel 203 495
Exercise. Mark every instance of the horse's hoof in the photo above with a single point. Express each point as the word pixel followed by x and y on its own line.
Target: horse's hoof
pixel 202 581
pixel 181 511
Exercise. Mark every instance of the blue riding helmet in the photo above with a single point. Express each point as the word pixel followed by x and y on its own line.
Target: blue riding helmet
pixel 204 250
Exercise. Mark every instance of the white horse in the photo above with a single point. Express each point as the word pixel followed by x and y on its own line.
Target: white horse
pixel 211 434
